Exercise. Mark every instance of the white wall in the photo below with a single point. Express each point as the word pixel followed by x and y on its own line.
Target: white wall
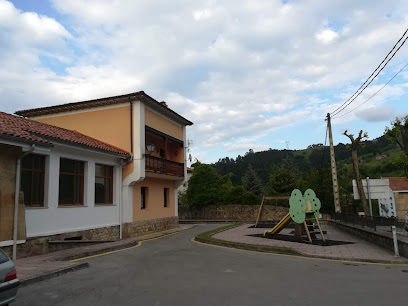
pixel 52 219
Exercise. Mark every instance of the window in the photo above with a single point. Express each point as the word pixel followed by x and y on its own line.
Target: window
pixel 166 196
pixel 71 182
pixel 143 197
pixel 103 184
pixel 32 179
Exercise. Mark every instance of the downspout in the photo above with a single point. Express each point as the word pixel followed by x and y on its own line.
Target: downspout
pixel 16 199
pixel 122 163
pixel 131 126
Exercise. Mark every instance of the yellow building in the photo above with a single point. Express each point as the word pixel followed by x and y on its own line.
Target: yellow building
pixel 153 134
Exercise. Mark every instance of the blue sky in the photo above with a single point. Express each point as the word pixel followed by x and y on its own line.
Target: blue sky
pixel 252 74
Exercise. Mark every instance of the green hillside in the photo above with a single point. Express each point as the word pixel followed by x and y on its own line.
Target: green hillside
pixel 375 160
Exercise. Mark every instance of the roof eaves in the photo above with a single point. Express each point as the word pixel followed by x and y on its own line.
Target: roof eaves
pixel 84 146
pixel 25 140
pixel 161 108
pixel 77 105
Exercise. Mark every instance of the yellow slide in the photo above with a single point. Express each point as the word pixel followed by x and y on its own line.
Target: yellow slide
pixel 278 227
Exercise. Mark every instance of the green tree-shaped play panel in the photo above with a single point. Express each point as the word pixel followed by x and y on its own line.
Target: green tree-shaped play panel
pixel 297 206
pixel 300 205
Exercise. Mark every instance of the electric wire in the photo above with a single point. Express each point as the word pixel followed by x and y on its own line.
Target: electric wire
pixel 358 92
pixel 335 117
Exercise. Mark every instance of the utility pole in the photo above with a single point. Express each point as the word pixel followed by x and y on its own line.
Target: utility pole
pixel 337 207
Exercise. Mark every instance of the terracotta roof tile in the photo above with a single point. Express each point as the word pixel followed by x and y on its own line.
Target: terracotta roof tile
pixel 32 131
pixel 398 183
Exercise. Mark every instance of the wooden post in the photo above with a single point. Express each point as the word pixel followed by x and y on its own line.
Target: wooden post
pixel 307 232
pixel 318 225
pixel 259 212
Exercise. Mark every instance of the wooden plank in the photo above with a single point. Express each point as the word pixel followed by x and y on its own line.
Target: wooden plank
pixel 276 198
pixel 259 212
pixel 318 225
pixel 307 232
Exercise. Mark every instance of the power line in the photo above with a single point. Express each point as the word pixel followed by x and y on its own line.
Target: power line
pixel 358 92
pixel 373 94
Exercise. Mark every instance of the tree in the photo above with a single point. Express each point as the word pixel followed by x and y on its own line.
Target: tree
pixel 353 148
pixel 320 181
pixel 399 133
pixel 402 162
pixel 251 181
pixel 207 187
pixel 282 180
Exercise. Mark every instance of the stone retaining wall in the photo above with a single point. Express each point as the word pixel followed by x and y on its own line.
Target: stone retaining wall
pixel 39 245
pixel 379 238
pixel 233 212
pixel 139 228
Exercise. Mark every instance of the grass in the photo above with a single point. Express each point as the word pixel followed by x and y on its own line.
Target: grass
pixel 207 236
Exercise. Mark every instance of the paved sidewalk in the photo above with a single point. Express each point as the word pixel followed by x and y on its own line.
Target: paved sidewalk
pixel 37 268
pixel 355 249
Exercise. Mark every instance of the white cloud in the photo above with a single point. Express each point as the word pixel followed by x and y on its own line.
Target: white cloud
pixel 239 71
pixel 376 114
pixel 246 147
pixel 327 36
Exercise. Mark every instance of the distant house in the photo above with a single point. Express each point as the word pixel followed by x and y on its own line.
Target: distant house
pixel 100 169
pixel 399 186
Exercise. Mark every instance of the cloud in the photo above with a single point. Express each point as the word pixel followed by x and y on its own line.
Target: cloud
pixel 246 147
pixel 376 114
pixel 239 71
pixel 327 36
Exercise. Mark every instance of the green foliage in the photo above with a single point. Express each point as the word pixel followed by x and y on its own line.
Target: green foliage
pixel 320 181
pixel 317 157
pixel 182 198
pixel 399 133
pixel 207 187
pixel 402 162
pixel 251 181
pixel 282 179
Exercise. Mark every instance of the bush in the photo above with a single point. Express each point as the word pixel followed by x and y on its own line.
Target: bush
pixel 208 187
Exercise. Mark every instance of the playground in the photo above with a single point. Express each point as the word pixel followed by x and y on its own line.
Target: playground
pixel 301 231
pixel 338 245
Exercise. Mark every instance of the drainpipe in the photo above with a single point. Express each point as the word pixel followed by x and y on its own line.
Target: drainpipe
pixel 16 199
pixel 122 163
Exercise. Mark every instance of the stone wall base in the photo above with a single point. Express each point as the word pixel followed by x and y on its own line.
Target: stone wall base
pixel 233 212
pixel 39 245
pixel 139 228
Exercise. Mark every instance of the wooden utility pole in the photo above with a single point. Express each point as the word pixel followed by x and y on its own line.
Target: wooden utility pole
pixel 337 207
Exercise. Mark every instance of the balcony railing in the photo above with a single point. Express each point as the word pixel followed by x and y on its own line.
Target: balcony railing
pixel 164 166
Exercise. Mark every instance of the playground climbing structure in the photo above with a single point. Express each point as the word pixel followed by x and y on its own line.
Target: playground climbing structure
pixel 304 211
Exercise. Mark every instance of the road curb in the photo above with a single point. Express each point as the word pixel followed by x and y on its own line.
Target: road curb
pixel 117 247
pixel 100 251
pixel 247 247
pixel 289 251
pixel 39 278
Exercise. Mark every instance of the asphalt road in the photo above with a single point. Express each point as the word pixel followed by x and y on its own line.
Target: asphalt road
pixel 176 271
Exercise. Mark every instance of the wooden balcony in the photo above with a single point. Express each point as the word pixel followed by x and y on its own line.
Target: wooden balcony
pixel 164 166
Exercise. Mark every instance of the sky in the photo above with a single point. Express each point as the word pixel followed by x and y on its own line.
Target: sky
pixel 250 74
